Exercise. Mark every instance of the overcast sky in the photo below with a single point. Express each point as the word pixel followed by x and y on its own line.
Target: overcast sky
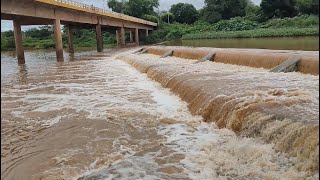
pixel 164 5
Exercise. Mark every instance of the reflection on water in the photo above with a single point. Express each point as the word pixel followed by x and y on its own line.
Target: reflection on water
pixel 279 43
pixel 96 117
pixel 23 73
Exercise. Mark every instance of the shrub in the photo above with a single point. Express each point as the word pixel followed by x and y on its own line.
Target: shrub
pixel 150 18
pixel 235 24
pixel 151 39
pixel 298 21
pixel 174 35
pixel 281 32
pixel 7 43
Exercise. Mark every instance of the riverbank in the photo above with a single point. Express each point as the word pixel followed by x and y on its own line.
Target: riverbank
pixel 306 25
pixel 257 33
pixel 304 43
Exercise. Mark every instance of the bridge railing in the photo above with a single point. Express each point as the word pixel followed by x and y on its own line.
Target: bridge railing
pixel 102 11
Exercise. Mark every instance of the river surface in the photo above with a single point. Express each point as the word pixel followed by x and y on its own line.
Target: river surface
pixel 96 117
pixel 308 43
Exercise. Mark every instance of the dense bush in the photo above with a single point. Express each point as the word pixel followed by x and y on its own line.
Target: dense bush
pixel 157 36
pixel 298 21
pixel 41 32
pixel 235 24
pixel 7 43
pixel 237 28
pixel 152 39
pixel 173 35
pixel 200 26
pixel 42 38
pixel 151 18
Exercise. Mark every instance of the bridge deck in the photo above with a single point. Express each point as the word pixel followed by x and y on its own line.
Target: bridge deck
pixel 74 5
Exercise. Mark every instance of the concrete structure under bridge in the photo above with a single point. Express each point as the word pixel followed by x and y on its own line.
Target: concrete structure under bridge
pixel 72 14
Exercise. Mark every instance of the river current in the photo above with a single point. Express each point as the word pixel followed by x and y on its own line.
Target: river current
pixel 95 116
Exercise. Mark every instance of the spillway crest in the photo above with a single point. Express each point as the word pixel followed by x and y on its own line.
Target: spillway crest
pixel 279 108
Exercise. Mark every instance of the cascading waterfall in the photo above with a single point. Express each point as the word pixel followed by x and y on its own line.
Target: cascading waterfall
pixel 281 109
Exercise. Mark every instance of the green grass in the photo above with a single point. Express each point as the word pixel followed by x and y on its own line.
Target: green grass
pixel 280 32
pixel 298 21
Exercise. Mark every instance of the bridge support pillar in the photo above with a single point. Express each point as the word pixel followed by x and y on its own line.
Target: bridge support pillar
pixel 147 32
pixel 99 38
pixel 70 40
pixel 121 39
pixel 137 36
pixel 58 39
pixel 118 38
pixel 18 42
pixel 131 36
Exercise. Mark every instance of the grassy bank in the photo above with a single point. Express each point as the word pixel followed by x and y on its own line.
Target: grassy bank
pixel 263 32
pixel 306 25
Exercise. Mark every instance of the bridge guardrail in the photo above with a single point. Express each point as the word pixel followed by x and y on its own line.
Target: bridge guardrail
pixel 102 11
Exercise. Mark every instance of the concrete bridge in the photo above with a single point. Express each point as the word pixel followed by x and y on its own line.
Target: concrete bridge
pixel 72 14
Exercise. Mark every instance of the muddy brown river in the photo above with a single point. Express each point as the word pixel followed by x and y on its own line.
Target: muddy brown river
pixel 95 116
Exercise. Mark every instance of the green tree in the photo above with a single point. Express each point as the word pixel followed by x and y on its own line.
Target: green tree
pixel 252 11
pixel 7 33
pixel 150 18
pixel 278 8
pixel 308 6
pixel 167 17
pixel 43 32
pixel 184 13
pixel 116 6
pixel 7 43
pixel 136 8
pixel 209 16
pixel 216 10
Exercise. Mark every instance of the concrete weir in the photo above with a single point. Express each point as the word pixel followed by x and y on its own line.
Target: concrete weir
pixel 269 59
pixel 289 65
pixel 280 109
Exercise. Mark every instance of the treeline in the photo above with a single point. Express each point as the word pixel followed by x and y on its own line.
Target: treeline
pixel 226 18
pixel 216 10
pixel 238 27
pixel 43 38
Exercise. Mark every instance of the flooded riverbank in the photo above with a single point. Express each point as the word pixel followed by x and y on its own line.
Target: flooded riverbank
pixel 96 117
